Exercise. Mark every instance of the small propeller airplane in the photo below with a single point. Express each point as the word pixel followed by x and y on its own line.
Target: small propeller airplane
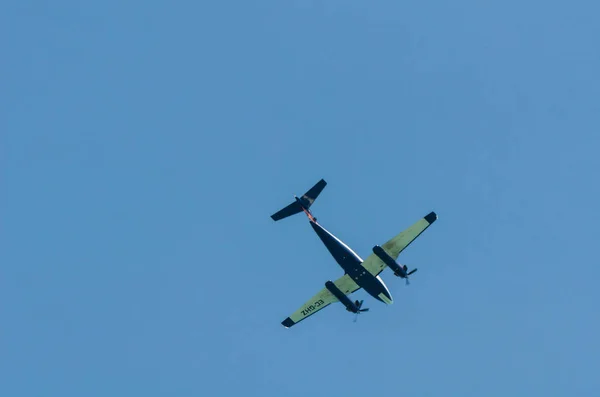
pixel 358 273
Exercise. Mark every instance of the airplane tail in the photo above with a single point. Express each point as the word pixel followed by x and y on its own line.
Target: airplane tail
pixel 302 203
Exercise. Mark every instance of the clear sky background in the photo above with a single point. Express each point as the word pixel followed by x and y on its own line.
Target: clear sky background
pixel 145 144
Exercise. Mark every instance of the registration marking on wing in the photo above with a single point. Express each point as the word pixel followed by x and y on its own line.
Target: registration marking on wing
pixel 314 306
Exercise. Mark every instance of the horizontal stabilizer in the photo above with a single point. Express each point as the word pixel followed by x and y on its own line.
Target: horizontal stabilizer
pixel 301 203
pixel 309 197
pixel 290 210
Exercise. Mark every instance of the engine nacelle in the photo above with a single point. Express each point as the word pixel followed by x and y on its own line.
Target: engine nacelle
pixel 399 271
pixel 350 306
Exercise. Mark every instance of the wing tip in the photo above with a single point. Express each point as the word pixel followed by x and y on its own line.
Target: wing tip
pixel 288 322
pixel 431 217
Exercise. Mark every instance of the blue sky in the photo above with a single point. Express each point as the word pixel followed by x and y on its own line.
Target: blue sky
pixel 145 145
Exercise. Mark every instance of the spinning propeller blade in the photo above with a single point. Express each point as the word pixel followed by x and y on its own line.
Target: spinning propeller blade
pixel 359 305
pixel 408 274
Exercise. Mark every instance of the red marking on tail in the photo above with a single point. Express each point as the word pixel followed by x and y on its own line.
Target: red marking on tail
pixel 312 218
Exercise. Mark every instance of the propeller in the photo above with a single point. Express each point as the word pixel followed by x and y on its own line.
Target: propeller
pixel 359 305
pixel 408 274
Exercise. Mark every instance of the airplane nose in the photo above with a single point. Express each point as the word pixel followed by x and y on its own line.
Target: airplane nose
pixel 386 298
pixel 384 294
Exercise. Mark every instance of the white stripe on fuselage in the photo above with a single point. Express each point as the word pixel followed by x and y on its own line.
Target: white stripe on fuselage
pixel 341 243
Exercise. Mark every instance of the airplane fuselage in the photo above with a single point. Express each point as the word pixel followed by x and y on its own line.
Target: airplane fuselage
pixel 352 264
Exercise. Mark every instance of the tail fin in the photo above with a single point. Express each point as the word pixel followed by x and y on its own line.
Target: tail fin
pixel 302 203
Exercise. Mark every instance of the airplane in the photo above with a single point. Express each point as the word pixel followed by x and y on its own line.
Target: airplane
pixel 357 273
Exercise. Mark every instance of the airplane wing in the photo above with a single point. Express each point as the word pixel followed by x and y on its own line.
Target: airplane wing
pixel 321 300
pixel 397 244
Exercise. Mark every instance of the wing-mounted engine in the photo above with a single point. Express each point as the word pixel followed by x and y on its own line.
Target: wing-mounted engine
pixel 399 270
pixel 354 307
